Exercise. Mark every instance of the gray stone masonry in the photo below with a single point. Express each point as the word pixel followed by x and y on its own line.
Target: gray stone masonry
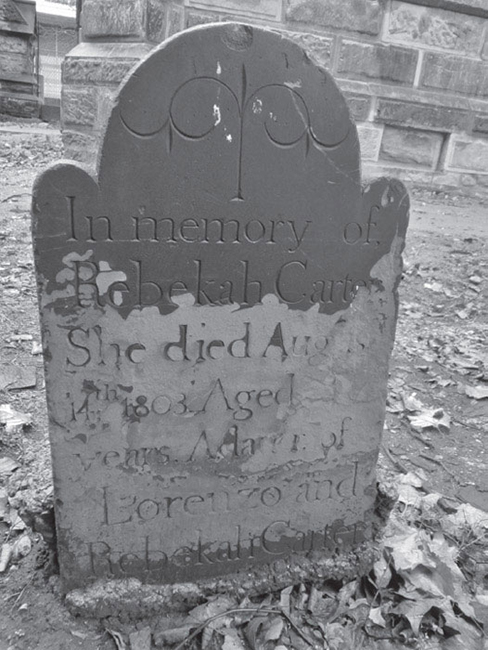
pixel 414 73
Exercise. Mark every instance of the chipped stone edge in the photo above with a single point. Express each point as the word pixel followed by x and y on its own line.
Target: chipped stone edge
pixel 130 598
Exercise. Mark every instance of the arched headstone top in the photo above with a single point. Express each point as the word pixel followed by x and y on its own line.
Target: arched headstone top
pixel 228 138
pixel 244 89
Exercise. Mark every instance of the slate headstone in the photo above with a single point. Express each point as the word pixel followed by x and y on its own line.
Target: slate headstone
pixel 218 310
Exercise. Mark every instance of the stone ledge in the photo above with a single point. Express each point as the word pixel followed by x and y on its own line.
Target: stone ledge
pixel 470 7
pixel 407 94
pixel 456 181
pixel 20 105
pixel 120 50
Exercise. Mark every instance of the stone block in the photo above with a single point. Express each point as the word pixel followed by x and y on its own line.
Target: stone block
pixel 469 7
pixel 95 71
pixel 385 62
pixel 438 118
pixel 14 44
pixel 15 64
pixel 19 106
pixel 114 18
pixel 79 106
pixel 454 74
pixel 156 20
pixel 319 48
pixel 468 154
pixel 481 124
pixel 359 106
pixel 412 147
pixel 79 146
pixel 176 16
pixel 369 140
pixel 251 9
pixel 194 18
pixel 364 16
pixel 435 28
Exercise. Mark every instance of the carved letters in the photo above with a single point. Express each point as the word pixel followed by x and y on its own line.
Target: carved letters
pixel 218 308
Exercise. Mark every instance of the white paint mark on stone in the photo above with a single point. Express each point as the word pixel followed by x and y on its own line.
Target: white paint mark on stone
pixel 184 300
pixel 293 84
pixel 257 106
pixel 219 68
pixel 107 277
pixel 68 273
pixel 228 137
pixel 216 114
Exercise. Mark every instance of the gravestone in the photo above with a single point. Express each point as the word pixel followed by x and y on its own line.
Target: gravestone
pixel 218 310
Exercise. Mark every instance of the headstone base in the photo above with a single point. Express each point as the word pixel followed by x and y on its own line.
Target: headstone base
pixel 129 597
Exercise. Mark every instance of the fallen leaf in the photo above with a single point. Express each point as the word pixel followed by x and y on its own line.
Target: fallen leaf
pixel 407 551
pixel 5 555
pixel 272 631
pixel 14 421
pixel 477 392
pixel 285 599
pixel 415 610
pixel 140 639
pixel 232 641
pixel 118 638
pixel 21 547
pixel 376 616
pixel 7 467
pixel 431 419
pixel 252 629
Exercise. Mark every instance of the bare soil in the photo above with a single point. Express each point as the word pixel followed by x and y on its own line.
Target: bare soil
pixel 437 411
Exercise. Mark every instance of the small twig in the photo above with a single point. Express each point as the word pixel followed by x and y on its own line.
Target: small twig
pixel 255 610
pixel 394 462
pixel 15 196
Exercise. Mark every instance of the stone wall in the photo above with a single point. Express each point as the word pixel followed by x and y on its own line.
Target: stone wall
pixel 415 73
pixel 18 79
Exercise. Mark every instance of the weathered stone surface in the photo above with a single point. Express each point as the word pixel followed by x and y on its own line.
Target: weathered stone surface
pixel 481 124
pixel 455 74
pixel 156 20
pixel 370 141
pixel 218 308
pixel 79 106
pixel 101 71
pixel 470 7
pixel 415 25
pixel 317 47
pixel 263 9
pixel 484 51
pixel 82 147
pixel 359 106
pixel 13 44
pixel 114 18
pixel 194 18
pixel 363 16
pixel 469 155
pixel 176 16
pixel 19 106
pixel 12 63
pixel 102 63
pixel 411 146
pixel 441 118
pixel 386 62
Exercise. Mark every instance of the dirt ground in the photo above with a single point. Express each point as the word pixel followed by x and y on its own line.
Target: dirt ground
pixel 437 410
